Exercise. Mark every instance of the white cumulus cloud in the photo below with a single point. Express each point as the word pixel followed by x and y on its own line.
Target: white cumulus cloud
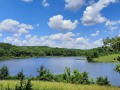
pixel 95 34
pixel 92 15
pixel 74 5
pixel 45 3
pixel 112 25
pixel 10 25
pixel 57 22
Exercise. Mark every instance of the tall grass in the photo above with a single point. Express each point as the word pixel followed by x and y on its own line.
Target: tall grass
pixel 40 85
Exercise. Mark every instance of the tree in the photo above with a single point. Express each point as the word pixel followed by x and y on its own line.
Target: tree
pixel 44 74
pixel 85 78
pixel 76 77
pixel 4 73
pixel 20 75
pixel 117 69
pixel 67 74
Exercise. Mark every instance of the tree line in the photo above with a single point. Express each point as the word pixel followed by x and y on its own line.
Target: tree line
pixel 12 51
pixel 110 46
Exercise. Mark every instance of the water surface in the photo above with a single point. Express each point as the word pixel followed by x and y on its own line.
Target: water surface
pixel 57 65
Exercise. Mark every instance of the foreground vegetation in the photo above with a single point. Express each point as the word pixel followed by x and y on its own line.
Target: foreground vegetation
pixel 44 74
pixel 40 85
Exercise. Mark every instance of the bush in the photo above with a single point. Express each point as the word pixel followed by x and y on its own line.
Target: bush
pixel 89 58
pixel 24 85
pixel 103 81
pixel 8 88
pixel 4 73
pixel 44 74
pixel 67 75
pixel 85 78
pixel 20 75
pixel 117 68
pixel 59 78
pixel 118 58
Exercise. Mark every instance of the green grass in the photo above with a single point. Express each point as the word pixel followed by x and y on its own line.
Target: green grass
pixel 108 58
pixel 39 85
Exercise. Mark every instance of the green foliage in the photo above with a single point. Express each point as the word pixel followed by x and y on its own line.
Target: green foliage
pixel 44 74
pixel 117 68
pixel 102 81
pixel 20 75
pixel 24 85
pixel 67 75
pixel 80 78
pixel 59 78
pixel 8 51
pixel 118 58
pixel 89 58
pixel 4 73
pixel 8 88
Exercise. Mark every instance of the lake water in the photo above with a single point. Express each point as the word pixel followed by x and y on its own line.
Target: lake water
pixel 57 66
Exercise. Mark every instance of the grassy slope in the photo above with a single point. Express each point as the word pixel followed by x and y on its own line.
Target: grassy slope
pixel 38 85
pixel 108 58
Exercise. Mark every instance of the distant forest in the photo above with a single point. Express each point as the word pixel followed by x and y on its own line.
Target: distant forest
pixel 8 51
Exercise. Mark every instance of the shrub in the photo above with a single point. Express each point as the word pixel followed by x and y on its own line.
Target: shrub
pixel 67 75
pixel 117 68
pixel 118 58
pixel 44 74
pixel 4 73
pixel 8 88
pixel 24 85
pixel 103 81
pixel 20 75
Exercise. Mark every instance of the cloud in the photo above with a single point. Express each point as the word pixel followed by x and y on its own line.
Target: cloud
pixel 92 15
pixel 91 2
pixel 10 25
pixel 112 25
pixel 67 40
pixel 82 41
pixel 74 5
pixel 95 34
pixel 57 22
pixel 28 36
pixel 45 3
pixel 97 43
pixel 62 37
pixel 27 0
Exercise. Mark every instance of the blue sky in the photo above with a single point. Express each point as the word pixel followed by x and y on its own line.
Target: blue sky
pixel 78 24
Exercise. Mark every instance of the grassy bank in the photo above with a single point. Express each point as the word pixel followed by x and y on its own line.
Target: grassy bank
pixel 107 58
pixel 39 85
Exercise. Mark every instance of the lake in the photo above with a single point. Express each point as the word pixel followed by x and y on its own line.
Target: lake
pixel 57 66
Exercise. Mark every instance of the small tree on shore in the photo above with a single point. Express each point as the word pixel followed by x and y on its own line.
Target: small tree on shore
pixel 20 75
pixel 4 73
pixel 117 69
